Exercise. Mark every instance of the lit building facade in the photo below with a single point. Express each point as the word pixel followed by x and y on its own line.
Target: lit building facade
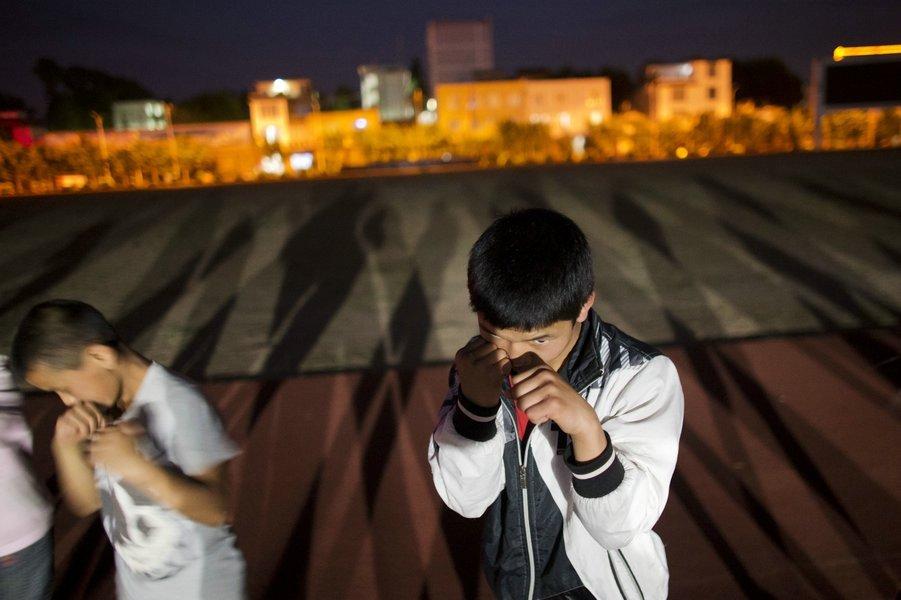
pixel 311 131
pixel 272 106
pixel 139 115
pixel 566 106
pixel 458 50
pixel 298 92
pixel 389 89
pixel 688 88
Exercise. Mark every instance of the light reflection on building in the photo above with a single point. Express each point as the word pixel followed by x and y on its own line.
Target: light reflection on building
pixel 389 89
pixel 688 88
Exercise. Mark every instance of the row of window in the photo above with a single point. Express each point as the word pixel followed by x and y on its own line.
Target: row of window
pixel 495 100
pixel 564 119
pixel 679 93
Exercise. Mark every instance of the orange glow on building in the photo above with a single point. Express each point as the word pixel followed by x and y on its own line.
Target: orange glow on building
pixel 310 131
pixel 566 106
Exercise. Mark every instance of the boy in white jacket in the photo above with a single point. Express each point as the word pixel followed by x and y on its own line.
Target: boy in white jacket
pixel 562 427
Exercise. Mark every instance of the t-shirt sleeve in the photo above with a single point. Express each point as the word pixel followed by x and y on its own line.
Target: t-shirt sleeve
pixel 199 441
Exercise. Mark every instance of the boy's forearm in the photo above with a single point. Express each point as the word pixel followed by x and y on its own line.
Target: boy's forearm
pixel 76 479
pixel 589 443
pixel 199 501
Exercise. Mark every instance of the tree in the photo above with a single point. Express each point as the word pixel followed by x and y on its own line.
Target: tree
pixel 20 165
pixel 418 80
pixel 525 142
pixel 766 81
pixel 9 102
pixel 73 92
pixel 622 87
pixel 344 98
pixel 210 107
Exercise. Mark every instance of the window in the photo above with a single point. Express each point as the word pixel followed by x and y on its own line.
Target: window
pixel 711 93
pixel 678 94
pixel 712 68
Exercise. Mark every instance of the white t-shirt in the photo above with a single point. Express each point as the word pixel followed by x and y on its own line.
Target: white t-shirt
pixel 161 553
pixel 25 512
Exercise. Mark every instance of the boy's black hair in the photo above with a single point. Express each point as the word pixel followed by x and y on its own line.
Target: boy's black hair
pixel 529 269
pixel 56 332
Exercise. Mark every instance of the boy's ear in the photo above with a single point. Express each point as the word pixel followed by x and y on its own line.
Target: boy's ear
pixel 101 355
pixel 585 308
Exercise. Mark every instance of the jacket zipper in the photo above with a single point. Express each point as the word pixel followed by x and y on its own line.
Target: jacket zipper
pixel 631 573
pixel 524 489
pixel 615 576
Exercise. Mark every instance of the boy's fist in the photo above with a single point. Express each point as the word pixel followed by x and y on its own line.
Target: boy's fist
pixel 482 367
pixel 543 395
pixel 78 423
pixel 115 450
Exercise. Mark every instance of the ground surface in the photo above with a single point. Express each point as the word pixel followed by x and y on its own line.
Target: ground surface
pixel 320 318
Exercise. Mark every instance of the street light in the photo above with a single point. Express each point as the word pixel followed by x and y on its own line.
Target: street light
pixel 104 155
pixel 173 146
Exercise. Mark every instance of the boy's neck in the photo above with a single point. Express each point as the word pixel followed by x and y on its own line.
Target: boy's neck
pixel 133 369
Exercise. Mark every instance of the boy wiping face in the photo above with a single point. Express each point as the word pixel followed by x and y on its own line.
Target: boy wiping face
pixel 560 426
pixel 142 445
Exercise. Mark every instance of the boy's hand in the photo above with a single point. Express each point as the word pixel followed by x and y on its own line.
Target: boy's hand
pixel 77 424
pixel 543 395
pixel 114 449
pixel 482 367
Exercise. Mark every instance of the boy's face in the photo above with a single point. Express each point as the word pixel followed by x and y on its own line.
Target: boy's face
pixel 95 380
pixel 551 343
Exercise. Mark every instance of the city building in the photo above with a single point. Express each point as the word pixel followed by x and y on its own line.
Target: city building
pixel 688 88
pixel 566 106
pixel 389 89
pixel 139 115
pixel 273 104
pixel 314 130
pixel 458 51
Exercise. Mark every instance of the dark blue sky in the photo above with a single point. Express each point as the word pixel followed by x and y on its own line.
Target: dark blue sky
pixel 178 48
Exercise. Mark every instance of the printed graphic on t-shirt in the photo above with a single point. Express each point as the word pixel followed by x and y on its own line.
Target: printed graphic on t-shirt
pixel 152 540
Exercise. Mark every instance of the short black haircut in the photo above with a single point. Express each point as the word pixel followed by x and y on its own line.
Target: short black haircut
pixel 529 269
pixel 56 332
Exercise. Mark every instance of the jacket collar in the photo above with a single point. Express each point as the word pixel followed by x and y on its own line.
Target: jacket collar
pixel 583 365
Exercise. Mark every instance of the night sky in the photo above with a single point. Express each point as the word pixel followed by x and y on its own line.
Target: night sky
pixel 178 48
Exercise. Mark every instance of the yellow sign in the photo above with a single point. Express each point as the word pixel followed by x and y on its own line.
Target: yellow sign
pixel 841 52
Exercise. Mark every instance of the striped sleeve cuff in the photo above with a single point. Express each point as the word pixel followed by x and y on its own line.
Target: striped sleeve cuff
pixel 596 477
pixel 475 422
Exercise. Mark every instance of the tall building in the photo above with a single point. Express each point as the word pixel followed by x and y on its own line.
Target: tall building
pixel 566 106
pixel 458 51
pixel 688 88
pixel 389 89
